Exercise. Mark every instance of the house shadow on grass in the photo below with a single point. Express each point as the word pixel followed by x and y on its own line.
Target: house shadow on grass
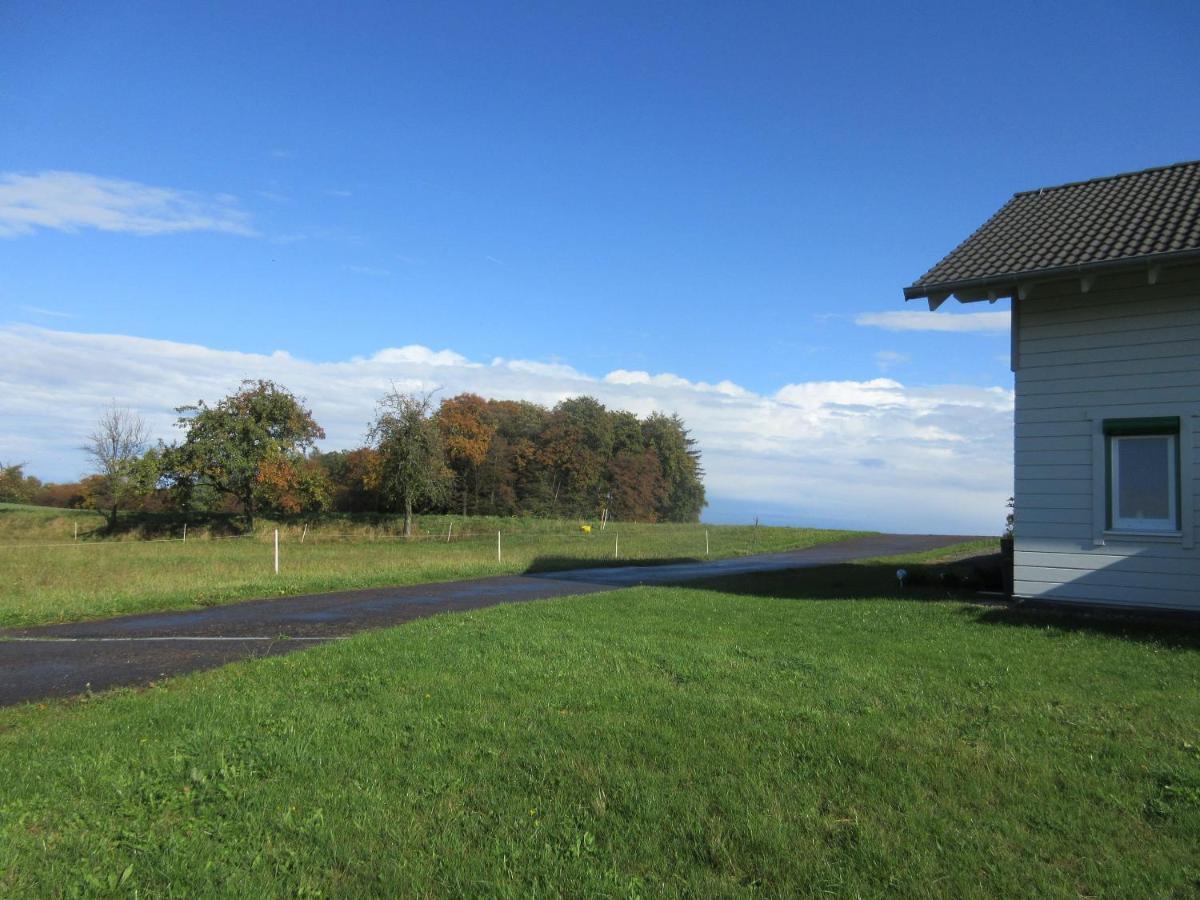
pixel 1178 631
pixel 959 581
pixel 962 583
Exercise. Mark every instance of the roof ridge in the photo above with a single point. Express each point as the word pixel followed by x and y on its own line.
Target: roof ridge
pixel 1069 184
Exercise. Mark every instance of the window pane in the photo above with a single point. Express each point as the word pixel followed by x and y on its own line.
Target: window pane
pixel 1143 478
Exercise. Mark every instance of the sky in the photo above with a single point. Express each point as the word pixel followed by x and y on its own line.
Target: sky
pixel 708 209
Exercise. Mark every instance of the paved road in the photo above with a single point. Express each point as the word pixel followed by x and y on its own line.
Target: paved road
pixel 61 660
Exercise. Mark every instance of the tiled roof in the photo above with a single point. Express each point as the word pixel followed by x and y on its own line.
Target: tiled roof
pixel 1087 223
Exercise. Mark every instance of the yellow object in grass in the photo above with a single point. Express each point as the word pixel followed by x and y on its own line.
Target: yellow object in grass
pixel 586 529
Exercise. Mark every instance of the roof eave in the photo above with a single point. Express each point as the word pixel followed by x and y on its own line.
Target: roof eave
pixel 1009 280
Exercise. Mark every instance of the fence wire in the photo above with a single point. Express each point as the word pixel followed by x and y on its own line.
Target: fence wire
pixel 626 540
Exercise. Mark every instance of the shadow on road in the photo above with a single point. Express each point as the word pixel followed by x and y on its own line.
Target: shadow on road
pixel 543 564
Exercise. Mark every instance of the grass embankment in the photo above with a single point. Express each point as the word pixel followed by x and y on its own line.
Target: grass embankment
pixel 47 576
pixel 748 735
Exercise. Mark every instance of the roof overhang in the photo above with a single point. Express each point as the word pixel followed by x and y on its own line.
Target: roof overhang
pixel 1016 284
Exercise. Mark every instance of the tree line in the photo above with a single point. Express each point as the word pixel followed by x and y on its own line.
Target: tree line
pixel 254 453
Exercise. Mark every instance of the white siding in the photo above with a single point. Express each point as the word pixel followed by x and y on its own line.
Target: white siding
pixel 1125 349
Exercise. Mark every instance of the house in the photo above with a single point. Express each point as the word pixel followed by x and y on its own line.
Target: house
pixel 1104 278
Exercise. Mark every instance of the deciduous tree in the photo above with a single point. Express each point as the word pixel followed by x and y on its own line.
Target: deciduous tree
pixel 576 446
pixel 292 486
pixel 251 445
pixel 638 489
pixel 466 436
pixel 15 485
pixel 351 475
pixel 412 468
pixel 122 472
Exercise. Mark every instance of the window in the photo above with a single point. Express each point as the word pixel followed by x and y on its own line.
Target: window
pixel 1143 474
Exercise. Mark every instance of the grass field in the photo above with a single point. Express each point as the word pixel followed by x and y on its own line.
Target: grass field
pixel 48 576
pixel 784 734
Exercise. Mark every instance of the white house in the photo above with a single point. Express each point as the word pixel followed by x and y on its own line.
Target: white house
pixel 1104 277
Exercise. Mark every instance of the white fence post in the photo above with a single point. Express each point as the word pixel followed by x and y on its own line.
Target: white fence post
pixel 185 532
pixel 498 546
pixel 449 531
pixel 76 531
pixel 304 533
pixel 617 545
pixel 276 551
pixel 706 542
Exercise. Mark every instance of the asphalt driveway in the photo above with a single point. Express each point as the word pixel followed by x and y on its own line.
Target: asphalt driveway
pixel 61 660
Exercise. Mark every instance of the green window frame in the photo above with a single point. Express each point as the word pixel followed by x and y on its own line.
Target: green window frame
pixel 1115 432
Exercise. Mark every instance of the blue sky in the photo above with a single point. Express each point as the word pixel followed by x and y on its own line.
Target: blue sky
pixel 720 192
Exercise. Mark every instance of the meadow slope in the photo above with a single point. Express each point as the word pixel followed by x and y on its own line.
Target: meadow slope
pixel 46 575
pixel 784 734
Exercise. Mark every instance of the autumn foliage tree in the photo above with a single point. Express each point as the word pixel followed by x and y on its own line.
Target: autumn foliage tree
pixel 353 476
pixel 291 486
pixel 466 437
pixel 251 446
pixel 15 485
pixel 512 478
pixel 637 490
pixel 576 446
pixel 254 452
pixel 577 458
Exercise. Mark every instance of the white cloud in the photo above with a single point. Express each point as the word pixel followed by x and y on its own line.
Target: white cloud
pixel 667 380
pixel 889 359
pixel 922 320
pixel 53 313
pixel 875 453
pixel 69 201
pixel 415 354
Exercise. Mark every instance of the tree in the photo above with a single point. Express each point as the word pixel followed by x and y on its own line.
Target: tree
pixel 292 487
pixel 351 473
pixel 15 485
pixel 466 437
pixel 513 478
pixel 576 446
pixel 251 446
pixel 627 432
pixel 65 496
pixel 412 468
pixel 638 490
pixel 122 477
pixel 681 468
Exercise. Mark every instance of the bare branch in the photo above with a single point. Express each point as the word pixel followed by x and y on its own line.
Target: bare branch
pixel 120 435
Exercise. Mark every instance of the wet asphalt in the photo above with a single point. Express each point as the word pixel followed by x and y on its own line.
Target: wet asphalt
pixel 63 660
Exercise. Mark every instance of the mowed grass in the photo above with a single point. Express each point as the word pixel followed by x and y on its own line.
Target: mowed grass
pixel 748 736
pixel 47 576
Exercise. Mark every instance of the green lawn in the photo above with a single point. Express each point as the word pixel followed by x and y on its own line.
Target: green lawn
pixel 784 734
pixel 47 576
